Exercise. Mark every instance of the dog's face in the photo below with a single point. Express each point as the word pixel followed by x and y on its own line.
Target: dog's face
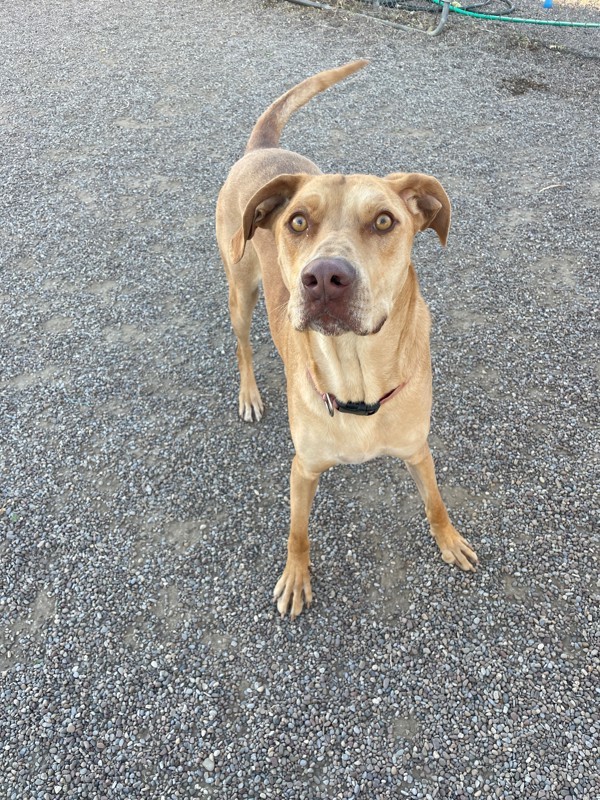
pixel 344 243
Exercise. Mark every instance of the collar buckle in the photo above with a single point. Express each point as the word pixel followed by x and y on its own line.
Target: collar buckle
pixel 329 403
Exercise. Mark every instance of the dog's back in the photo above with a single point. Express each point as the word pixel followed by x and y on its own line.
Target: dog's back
pixel 263 159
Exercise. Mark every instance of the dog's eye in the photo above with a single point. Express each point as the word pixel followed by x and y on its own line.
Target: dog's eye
pixel 384 222
pixel 298 223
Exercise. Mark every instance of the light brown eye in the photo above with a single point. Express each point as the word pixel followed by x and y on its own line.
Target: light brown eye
pixel 384 222
pixel 298 223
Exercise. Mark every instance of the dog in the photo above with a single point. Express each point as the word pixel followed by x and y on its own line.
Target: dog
pixel 345 312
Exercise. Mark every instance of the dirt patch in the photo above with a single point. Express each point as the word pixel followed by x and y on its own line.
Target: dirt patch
pixel 521 85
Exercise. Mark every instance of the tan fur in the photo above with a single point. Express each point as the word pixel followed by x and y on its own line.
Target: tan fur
pixel 373 340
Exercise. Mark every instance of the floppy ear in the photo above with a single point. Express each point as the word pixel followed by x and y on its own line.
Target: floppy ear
pixel 267 199
pixel 426 200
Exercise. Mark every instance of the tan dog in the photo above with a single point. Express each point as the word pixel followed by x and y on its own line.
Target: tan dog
pixel 345 312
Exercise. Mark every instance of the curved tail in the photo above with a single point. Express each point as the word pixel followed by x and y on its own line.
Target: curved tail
pixel 269 125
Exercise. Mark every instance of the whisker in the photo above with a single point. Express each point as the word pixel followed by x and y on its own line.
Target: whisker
pixel 280 312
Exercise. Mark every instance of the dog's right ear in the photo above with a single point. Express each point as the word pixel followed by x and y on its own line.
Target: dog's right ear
pixel 270 197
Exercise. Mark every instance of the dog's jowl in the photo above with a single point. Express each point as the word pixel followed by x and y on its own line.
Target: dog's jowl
pixel 345 311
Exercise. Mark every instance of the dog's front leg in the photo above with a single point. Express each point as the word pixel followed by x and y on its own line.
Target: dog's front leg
pixel 294 584
pixel 454 549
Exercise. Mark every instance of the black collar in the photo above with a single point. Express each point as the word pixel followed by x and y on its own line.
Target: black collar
pixel 361 408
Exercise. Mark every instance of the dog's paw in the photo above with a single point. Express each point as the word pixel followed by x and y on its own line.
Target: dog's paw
pixel 293 587
pixel 455 549
pixel 251 406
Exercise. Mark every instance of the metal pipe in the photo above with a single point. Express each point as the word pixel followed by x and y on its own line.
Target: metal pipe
pixel 443 20
pixel 397 25
pixel 312 4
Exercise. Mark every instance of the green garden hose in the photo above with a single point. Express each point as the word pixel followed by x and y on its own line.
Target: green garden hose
pixel 497 18
pixel 450 5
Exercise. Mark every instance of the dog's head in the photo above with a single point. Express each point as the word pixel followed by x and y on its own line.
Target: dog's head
pixel 344 242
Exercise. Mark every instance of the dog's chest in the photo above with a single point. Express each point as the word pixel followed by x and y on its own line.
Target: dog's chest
pixel 354 440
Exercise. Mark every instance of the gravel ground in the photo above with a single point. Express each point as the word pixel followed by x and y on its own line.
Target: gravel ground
pixel 142 526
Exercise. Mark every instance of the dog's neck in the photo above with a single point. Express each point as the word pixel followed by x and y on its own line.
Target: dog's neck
pixel 365 368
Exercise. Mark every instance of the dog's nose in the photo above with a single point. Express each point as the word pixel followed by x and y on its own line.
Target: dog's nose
pixel 327 278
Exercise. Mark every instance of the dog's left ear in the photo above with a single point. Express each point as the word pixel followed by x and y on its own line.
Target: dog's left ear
pixel 426 200
pixel 267 199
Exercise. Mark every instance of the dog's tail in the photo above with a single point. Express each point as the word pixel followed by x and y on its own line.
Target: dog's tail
pixel 268 128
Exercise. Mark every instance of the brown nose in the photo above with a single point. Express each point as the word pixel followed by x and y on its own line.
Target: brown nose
pixel 327 278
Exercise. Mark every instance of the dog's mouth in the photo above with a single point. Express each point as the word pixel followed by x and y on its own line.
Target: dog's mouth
pixel 328 324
